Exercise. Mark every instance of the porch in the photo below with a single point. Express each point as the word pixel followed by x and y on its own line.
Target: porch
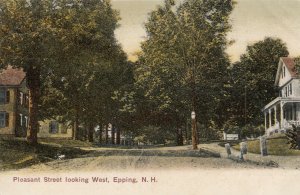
pixel 281 114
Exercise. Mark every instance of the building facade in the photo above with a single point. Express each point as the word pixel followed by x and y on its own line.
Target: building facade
pixel 14 104
pixel 284 111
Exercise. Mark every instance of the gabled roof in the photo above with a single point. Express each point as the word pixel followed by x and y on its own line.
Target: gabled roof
pixel 11 76
pixel 290 65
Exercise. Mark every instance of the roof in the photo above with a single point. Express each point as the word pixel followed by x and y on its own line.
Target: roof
pixel 11 76
pixel 290 64
pixel 291 67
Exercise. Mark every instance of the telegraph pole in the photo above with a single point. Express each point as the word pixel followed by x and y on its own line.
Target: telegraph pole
pixel 194 132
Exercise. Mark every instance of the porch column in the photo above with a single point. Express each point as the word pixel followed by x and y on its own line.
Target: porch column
pixel 275 113
pixel 297 111
pixel 293 111
pixel 270 122
pixel 265 114
pixel 281 115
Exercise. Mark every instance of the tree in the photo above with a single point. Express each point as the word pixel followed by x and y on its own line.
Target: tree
pixel 183 61
pixel 26 36
pixel 60 38
pixel 98 65
pixel 253 79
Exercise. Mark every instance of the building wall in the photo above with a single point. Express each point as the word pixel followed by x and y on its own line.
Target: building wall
pixel 296 87
pixel 21 129
pixel 64 130
pixel 14 108
pixel 295 83
pixel 286 78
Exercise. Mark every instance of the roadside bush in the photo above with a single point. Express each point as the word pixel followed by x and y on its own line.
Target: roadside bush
pixel 251 131
pixel 211 132
pixel 155 135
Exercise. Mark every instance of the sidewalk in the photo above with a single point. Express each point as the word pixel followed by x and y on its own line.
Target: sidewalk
pixel 283 162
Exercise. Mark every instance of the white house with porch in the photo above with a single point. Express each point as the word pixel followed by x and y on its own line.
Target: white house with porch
pixel 284 111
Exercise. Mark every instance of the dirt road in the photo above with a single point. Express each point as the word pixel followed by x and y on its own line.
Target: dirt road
pixel 170 158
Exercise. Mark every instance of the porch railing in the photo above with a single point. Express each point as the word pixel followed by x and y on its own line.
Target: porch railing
pixel 288 124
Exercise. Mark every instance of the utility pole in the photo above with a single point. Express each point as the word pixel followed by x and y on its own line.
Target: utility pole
pixel 193 114
pixel 245 104
pixel 194 131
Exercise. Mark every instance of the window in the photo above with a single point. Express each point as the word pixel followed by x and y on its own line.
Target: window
pixel 291 90
pixel 27 100
pixel 21 119
pixel 2 96
pixel 64 130
pixel 21 98
pixel 286 92
pixel 4 119
pixel 53 127
pixel 26 121
pixel 284 71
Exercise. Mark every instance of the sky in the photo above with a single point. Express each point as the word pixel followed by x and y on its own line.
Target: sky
pixel 252 20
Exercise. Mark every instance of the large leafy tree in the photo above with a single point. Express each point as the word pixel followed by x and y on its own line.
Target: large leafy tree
pixel 97 65
pixel 253 80
pixel 26 42
pixel 183 63
pixel 56 38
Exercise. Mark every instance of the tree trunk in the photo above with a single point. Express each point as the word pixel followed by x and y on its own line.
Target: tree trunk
pixel 86 132
pixel 75 127
pixel 106 134
pixel 33 81
pixel 194 121
pixel 118 136
pixel 91 133
pixel 179 137
pixel 100 133
pixel 113 135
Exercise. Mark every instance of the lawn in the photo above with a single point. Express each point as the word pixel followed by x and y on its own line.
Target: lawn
pixel 65 142
pixel 17 154
pixel 276 146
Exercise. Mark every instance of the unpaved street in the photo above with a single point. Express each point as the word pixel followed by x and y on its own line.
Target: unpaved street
pixel 140 159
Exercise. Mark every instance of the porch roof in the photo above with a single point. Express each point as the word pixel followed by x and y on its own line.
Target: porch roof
pixel 280 99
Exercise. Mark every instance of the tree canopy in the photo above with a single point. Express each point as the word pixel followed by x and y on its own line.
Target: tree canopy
pixel 252 84
pixel 183 61
pixel 69 53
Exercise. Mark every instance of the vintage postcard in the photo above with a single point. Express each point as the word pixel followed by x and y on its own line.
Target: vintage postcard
pixel 149 97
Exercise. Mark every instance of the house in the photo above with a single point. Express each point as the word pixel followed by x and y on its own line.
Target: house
pixel 284 111
pixel 14 104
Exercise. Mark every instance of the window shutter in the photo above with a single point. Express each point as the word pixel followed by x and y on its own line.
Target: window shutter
pixel 50 127
pixel 7 96
pixel 7 119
